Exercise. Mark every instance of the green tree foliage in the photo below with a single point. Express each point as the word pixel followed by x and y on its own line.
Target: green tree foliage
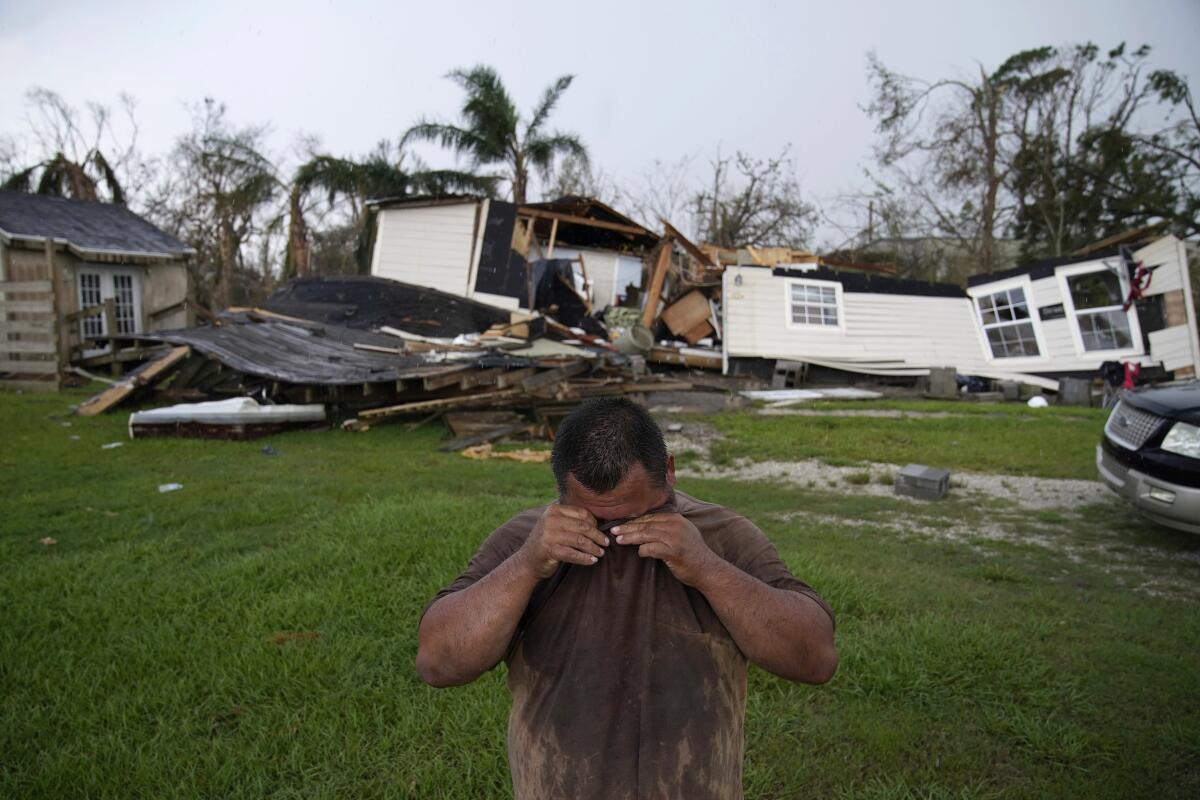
pixel 1052 148
pixel 493 134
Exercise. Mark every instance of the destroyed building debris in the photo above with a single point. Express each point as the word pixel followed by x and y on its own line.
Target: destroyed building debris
pixel 476 305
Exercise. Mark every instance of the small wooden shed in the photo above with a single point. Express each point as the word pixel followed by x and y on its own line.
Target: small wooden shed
pixel 77 276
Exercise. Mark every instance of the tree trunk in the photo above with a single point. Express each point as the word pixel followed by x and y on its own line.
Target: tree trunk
pixel 298 253
pixel 227 256
pixel 987 237
pixel 519 178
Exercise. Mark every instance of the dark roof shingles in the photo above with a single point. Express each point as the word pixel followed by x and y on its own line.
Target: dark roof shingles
pixel 87 225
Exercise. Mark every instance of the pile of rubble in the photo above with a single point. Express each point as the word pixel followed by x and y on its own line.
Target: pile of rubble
pixel 369 350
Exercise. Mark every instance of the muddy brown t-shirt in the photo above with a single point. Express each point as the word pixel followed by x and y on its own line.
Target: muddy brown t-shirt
pixel 624 682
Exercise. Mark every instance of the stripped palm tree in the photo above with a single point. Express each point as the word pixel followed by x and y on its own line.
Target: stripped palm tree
pixel 493 132
pixel 61 177
pixel 355 182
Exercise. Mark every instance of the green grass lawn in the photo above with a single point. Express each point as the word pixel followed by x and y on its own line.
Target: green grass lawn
pixel 253 634
pixel 981 437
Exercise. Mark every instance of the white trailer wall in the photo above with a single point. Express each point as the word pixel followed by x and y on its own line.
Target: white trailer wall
pixel 436 245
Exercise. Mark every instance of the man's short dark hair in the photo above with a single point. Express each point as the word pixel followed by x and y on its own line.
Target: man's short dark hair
pixel 599 442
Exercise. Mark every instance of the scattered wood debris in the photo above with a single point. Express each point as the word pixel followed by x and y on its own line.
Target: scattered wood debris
pixel 525 456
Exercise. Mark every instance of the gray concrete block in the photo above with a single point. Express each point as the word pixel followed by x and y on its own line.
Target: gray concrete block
pixel 920 481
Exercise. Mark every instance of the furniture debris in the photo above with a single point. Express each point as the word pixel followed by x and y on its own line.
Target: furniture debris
pixel 239 418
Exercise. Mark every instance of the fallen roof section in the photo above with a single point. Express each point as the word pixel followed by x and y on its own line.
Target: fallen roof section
pixel 362 302
pixel 294 353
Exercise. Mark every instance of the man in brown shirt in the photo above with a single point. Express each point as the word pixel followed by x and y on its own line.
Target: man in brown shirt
pixel 626 612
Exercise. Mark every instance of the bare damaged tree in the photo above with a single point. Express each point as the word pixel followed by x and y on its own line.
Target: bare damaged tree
pixel 221 198
pixel 75 154
pixel 947 144
pixel 664 190
pixel 754 201
pixel 576 176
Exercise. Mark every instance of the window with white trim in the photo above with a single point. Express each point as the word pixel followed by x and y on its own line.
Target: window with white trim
pixel 1103 323
pixel 89 295
pixel 813 304
pixel 125 313
pixel 1007 324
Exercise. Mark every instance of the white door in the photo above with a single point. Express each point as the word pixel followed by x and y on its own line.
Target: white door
pixel 123 287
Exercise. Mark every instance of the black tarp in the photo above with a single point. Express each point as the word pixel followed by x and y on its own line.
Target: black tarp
pixel 555 295
pixel 502 270
pixel 362 302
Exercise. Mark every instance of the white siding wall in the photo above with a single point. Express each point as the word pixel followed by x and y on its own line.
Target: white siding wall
pixel 427 246
pixel 890 332
pixel 919 332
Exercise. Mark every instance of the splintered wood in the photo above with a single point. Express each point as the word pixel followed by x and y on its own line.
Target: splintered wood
pixel 525 456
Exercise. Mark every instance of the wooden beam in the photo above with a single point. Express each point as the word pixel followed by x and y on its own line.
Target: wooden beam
pixel 553 239
pixel 162 312
pixel 514 376
pixel 481 377
pixel 692 250
pixel 482 398
pixel 29 367
pixel 28 306
pixel 448 378
pixel 592 223
pixel 42 287
pixel 62 342
pixel 27 346
pixel 650 311
pixel 151 373
pixel 554 375
pixel 463 442
pixel 26 326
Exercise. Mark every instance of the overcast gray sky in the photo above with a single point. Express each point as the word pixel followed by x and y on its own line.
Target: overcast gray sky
pixel 654 79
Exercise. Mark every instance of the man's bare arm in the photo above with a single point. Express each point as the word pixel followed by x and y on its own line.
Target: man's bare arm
pixel 781 631
pixel 466 633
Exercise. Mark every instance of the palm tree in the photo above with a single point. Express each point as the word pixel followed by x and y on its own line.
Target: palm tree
pixel 355 182
pixel 62 177
pixel 493 133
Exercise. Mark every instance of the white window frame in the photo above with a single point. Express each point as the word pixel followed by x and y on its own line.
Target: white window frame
pixel 108 291
pixel 1135 329
pixel 808 326
pixel 1025 284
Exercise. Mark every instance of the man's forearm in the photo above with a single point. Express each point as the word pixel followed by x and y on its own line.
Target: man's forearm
pixel 466 633
pixel 781 631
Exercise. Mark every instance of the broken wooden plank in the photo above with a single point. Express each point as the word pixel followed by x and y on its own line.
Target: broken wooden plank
pixel 29 367
pixel 553 376
pixel 26 326
pixel 514 376
pixel 374 348
pixel 12 287
pixel 27 346
pixel 449 377
pixel 482 377
pixel 490 435
pixel 148 374
pixel 481 398
pixel 634 230
pixel 650 310
pixel 466 423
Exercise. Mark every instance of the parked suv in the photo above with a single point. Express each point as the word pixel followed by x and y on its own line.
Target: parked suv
pixel 1150 453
